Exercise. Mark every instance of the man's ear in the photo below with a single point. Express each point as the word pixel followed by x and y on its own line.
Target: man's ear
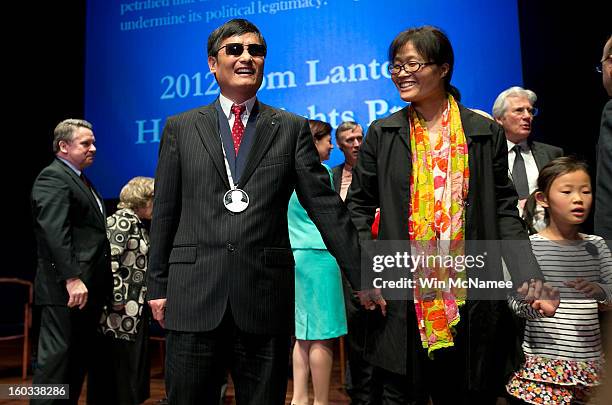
pixel 63 146
pixel 212 64
pixel 541 199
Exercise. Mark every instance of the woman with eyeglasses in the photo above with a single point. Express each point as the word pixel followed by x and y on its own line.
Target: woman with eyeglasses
pixel 438 172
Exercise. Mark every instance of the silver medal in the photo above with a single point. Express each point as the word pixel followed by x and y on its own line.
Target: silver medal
pixel 236 200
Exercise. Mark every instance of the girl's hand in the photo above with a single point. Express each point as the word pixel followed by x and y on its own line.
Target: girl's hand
pixel 588 288
pixel 531 290
pixel 548 302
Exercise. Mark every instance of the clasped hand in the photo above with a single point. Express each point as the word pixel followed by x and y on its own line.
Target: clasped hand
pixel 588 288
pixel 369 299
pixel 542 297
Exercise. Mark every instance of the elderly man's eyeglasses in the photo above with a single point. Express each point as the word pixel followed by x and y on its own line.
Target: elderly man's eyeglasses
pixel 522 110
pixel 408 67
pixel 599 67
pixel 236 49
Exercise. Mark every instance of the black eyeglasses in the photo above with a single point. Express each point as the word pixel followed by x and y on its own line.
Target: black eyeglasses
pixel 408 67
pixel 236 49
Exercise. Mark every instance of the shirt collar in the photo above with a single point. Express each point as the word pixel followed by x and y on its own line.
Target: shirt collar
pixel 524 145
pixel 70 165
pixel 226 106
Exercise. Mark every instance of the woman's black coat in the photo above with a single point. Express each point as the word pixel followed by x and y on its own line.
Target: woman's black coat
pixel 381 178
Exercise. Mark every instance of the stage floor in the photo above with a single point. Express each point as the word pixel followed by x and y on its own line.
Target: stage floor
pixel 10 371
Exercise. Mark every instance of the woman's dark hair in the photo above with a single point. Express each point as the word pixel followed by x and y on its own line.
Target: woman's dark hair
pixel 556 168
pixel 434 46
pixel 319 129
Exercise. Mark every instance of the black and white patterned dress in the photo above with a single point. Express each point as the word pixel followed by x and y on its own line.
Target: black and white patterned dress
pixel 121 375
pixel 129 243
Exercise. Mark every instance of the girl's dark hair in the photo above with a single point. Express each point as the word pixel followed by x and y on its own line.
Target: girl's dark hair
pixel 319 129
pixel 433 44
pixel 556 168
pixel 529 211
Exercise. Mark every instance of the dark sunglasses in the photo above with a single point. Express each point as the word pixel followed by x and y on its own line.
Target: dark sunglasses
pixel 236 49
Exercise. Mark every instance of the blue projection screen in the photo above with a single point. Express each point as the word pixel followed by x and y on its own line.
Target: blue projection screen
pixel 327 60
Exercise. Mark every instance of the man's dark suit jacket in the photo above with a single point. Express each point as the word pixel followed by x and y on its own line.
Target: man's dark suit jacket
pixel 337 176
pixel 544 153
pixel 603 190
pixel 205 258
pixel 71 237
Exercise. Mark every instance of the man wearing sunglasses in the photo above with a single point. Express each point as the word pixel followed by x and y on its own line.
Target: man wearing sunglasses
pixel 221 273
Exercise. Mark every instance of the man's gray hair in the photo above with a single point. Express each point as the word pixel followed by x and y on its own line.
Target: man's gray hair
pixel 500 105
pixel 64 131
pixel 346 126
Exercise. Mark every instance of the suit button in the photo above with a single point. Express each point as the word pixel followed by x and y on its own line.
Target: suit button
pixel 231 247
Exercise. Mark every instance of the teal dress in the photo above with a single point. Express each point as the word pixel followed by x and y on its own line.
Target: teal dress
pixel 319 301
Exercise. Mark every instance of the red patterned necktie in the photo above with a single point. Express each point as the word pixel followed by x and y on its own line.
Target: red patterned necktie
pixel 238 128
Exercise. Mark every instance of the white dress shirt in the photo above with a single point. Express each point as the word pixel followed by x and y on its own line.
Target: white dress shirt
pixel 226 106
pixel 530 164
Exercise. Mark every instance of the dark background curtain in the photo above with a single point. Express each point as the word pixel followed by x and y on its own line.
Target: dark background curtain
pixel 561 44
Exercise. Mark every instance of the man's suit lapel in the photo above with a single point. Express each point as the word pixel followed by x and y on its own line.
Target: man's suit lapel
pixel 265 131
pixel 93 189
pixel 209 134
pixel 88 192
pixel 337 176
pixel 539 155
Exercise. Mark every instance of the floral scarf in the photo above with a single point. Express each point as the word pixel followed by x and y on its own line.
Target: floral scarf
pixel 438 186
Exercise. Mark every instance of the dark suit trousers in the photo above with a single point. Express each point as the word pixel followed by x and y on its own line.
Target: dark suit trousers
pixel 360 384
pixel 65 345
pixel 197 364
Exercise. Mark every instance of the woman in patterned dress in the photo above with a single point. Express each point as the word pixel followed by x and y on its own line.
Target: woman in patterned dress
pixel 122 377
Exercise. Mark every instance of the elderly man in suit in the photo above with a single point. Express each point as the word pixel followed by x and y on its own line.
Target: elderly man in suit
pixel 221 274
pixel 73 279
pixel 514 111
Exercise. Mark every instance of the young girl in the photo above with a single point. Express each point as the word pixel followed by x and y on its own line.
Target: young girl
pixel 563 352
